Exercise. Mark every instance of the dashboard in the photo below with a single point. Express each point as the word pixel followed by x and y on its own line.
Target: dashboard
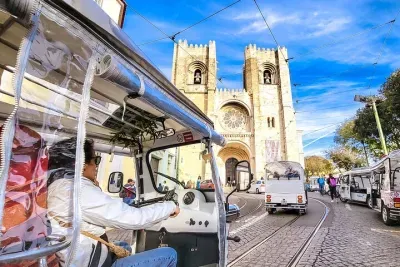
pixel 196 215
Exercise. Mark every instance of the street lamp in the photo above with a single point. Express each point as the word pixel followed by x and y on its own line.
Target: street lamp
pixel 371 101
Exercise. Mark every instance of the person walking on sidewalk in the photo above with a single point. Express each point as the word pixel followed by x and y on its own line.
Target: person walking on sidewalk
pixel 332 187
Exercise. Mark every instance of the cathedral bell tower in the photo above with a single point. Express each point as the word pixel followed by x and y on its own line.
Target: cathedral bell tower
pixel 194 72
pixel 267 80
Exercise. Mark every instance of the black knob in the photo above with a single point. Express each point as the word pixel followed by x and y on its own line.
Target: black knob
pixel 235 238
pixel 192 222
pixel 200 222
pixel 206 223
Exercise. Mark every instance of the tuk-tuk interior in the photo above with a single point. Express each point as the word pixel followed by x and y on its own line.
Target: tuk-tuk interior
pixel 66 93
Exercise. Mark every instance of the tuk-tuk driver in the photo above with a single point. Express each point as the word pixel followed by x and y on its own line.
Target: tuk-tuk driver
pixel 99 211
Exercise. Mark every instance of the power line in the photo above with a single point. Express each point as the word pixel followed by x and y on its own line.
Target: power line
pixel 272 34
pixel 154 41
pixel 173 40
pixel 315 140
pixel 172 37
pixel 392 22
pixel 303 111
pixel 326 127
pixel 345 38
pixel 383 46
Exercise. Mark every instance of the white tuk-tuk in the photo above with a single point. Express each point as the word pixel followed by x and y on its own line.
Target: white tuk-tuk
pixel 68 71
pixel 284 187
pixel 386 187
pixel 355 185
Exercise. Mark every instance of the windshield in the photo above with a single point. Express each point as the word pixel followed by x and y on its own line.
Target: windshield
pixel 180 167
pixel 284 171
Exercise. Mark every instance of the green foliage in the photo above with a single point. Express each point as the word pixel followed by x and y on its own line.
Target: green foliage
pixel 316 165
pixel 132 137
pixel 346 158
pixel 362 132
pixel 389 114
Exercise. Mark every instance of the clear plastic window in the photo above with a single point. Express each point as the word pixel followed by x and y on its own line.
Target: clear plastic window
pixel 42 168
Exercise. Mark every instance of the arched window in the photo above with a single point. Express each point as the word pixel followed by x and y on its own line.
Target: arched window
pixel 269 122
pixel 197 76
pixel 273 122
pixel 267 77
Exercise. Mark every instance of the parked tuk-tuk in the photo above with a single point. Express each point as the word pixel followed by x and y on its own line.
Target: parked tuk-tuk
pixel 386 187
pixel 355 185
pixel 67 71
pixel 284 187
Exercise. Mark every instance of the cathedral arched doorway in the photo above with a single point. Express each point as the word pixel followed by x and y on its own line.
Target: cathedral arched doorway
pixel 231 154
pixel 230 169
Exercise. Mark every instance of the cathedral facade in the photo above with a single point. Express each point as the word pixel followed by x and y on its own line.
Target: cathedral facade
pixel 258 121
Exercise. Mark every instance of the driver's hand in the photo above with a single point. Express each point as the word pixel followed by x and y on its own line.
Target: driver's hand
pixel 176 212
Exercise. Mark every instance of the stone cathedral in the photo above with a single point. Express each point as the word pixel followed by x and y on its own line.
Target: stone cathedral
pixel 258 121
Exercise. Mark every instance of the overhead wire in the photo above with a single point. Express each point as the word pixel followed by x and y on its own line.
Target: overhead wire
pixel 326 108
pixel 172 37
pixel 270 31
pixel 375 63
pixel 383 46
pixel 323 128
pixel 345 38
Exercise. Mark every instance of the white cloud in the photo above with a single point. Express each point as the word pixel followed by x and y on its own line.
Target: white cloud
pixel 325 27
pixel 257 24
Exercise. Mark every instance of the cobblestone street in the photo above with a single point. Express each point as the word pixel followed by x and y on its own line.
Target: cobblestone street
pixel 351 235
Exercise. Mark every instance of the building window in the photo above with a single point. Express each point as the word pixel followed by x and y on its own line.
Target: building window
pixel 273 122
pixel 197 76
pixel 269 122
pixel 267 77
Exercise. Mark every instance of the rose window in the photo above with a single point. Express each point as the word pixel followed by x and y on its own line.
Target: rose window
pixel 234 118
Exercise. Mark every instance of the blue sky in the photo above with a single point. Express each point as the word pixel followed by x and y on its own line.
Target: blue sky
pixel 329 74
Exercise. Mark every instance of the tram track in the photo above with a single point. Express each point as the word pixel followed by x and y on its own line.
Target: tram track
pixel 302 249
pixel 259 204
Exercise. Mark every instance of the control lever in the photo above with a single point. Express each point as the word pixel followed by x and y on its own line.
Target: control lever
pixel 235 238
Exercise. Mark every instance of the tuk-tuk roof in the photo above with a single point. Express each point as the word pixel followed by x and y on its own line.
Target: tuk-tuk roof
pixel 92 18
pixel 395 154
pixel 361 170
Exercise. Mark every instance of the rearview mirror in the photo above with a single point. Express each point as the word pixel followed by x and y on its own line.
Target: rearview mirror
pixel 243 176
pixel 115 182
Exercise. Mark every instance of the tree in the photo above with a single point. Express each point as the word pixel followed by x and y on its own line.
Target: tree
pixel 365 127
pixel 346 158
pixel 317 165
pixel 389 114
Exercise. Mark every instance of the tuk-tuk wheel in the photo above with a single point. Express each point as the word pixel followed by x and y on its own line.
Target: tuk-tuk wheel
pixel 385 216
pixel 369 202
pixel 301 212
pixel 344 200
pixel 271 211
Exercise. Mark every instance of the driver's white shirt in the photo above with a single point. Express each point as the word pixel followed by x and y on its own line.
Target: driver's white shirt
pixel 99 211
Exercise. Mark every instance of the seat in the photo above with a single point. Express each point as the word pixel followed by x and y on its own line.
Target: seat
pixel 25 224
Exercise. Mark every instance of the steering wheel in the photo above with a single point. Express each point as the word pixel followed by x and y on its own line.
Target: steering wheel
pixel 171 196
pixel 170 178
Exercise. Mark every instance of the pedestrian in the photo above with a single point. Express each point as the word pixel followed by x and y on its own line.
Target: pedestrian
pixel 160 187
pixel 129 192
pixel 165 188
pixel 198 182
pixel 228 183
pixel 321 183
pixel 189 184
pixel 332 187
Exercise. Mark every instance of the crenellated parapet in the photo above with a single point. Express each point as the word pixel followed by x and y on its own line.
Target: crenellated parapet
pixel 197 49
